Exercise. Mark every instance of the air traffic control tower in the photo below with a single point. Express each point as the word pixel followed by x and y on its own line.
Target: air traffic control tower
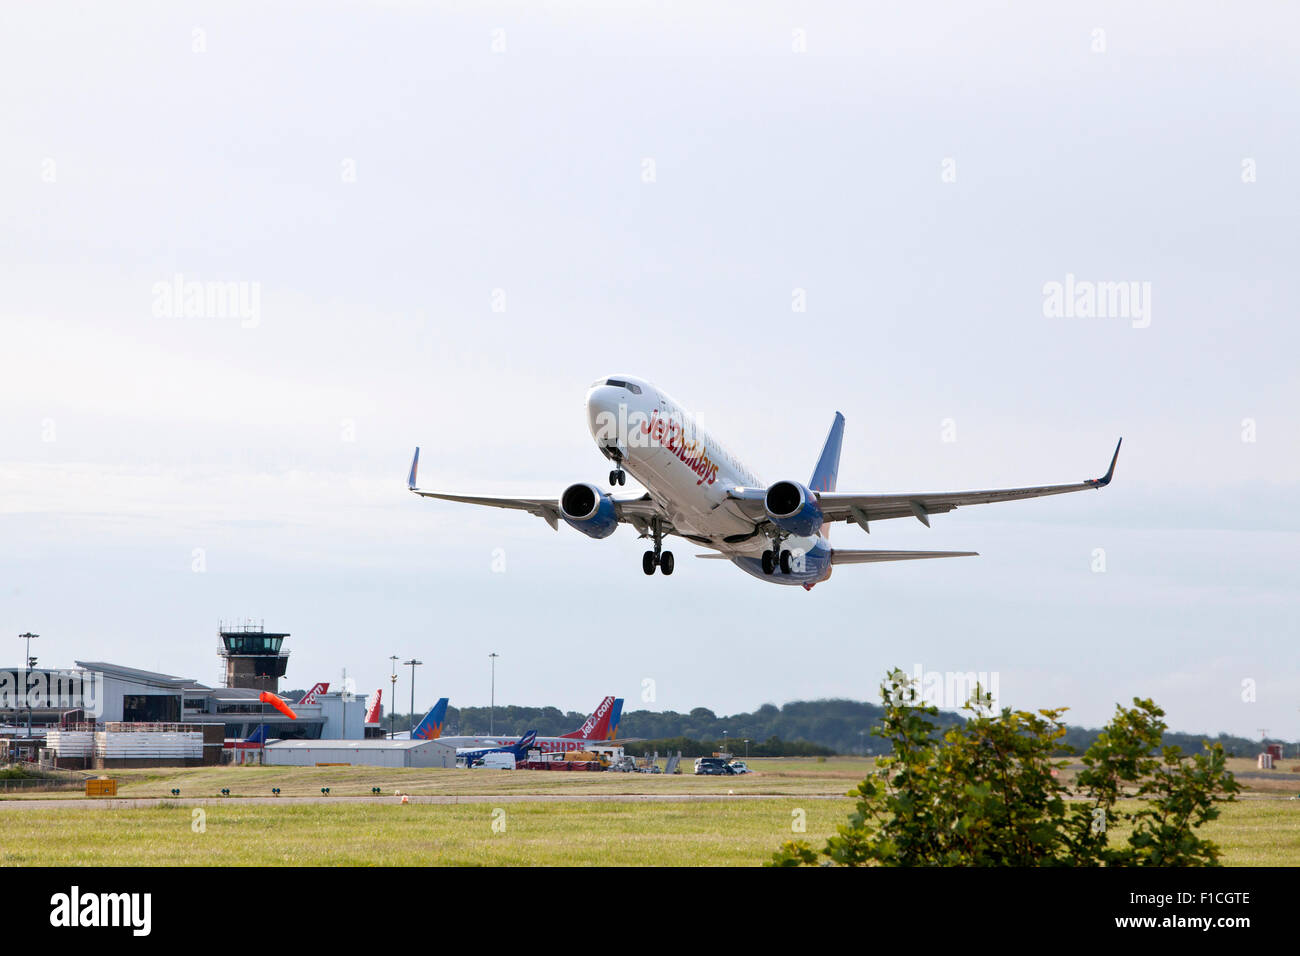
pixel 253 657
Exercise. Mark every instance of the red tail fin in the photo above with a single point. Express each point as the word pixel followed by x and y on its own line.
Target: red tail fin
pixel 310 696
pixel 595 727
pixel 372 707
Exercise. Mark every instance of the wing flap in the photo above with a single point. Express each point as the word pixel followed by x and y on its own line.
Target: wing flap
pixel 848 556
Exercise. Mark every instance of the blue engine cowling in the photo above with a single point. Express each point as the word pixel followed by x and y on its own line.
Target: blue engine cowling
pixel 589 510
pixel 793 508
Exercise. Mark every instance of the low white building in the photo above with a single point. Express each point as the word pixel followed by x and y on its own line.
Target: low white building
pixel 361 753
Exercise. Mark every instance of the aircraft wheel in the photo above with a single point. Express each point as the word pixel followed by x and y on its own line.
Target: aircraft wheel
pixel 666 562
pixel 785 562
pixel 648 562
pixel 769 565
pixel 613 478
pixel 622 477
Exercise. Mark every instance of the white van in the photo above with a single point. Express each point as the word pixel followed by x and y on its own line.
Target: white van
pixel 497 761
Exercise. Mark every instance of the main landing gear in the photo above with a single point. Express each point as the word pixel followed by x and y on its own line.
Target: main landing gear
pixel 776 557
pixel 618 477
pixel 658 558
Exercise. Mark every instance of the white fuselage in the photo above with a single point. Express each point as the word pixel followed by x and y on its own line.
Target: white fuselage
pixel 686 470
pixel 546 745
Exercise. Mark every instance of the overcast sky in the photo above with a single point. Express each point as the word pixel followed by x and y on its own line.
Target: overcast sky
pixel 448 219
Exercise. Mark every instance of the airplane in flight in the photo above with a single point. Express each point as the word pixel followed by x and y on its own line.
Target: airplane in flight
pixel 701 492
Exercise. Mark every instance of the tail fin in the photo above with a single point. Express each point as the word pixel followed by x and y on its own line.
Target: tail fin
pixel 373 707
pixel 596 726
pixel 526 742
pixel 310 696
pixel 828 465
pixel 614 715
pixel 430 728
pixel 258 736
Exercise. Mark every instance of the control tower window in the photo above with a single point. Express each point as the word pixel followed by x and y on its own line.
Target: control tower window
pixel 253 643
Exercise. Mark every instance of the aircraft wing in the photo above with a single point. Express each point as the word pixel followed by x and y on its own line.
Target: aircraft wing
pixel 849 556
pixel 863 509
pixel 635 511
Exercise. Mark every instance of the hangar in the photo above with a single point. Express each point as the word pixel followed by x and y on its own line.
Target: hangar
pixel 367 753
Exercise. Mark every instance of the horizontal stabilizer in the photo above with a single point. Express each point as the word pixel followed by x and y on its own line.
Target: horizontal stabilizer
pixel 847 556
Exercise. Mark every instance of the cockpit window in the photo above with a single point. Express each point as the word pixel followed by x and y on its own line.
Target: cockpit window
pixel 634 389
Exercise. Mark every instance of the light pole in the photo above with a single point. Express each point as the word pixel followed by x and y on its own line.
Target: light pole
pixel 492 706
pixel 27 667
pixel 414 663
pixel 392 696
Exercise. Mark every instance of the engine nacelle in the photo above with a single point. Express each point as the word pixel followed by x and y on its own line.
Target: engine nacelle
pixel 793 508
pixel 589 510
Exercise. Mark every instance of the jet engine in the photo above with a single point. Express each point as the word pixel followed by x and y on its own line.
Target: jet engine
pixel 589 510
pixel 793 508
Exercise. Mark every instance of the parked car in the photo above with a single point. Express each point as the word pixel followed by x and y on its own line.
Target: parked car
pixel 738 766
pixel 712 767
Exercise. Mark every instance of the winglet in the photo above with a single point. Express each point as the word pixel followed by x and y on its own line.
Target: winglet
pixel 1103 481
pixel 415 463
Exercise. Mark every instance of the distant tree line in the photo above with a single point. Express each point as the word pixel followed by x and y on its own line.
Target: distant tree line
pixel 799 728
pixel 689 747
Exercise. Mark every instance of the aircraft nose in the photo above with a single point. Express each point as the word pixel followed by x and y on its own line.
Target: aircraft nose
pixel 602 408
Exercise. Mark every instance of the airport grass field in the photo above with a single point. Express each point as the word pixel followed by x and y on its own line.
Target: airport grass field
pixel 459 817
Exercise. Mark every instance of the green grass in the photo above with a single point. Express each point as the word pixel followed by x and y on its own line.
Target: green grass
pixel 553 834
pixel 1258 833
pixel 695 833
pixel 778 777
pixel 1260 830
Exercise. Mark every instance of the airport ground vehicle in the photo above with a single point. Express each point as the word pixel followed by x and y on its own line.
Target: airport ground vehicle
pixel 738 766
pixel 496 760
pixel 713 766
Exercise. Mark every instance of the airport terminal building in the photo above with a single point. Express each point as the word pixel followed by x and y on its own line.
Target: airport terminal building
pixel 95 695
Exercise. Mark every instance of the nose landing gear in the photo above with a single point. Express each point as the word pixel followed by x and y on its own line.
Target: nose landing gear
pixel 618 476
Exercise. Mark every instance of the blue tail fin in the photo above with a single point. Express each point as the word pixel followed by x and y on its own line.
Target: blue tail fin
pixel 828 465
pixel 258 736
pixel 526 742
pixel 615 713
pixel 430 728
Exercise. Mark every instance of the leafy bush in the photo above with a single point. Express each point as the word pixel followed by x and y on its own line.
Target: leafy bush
pixel 989 792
